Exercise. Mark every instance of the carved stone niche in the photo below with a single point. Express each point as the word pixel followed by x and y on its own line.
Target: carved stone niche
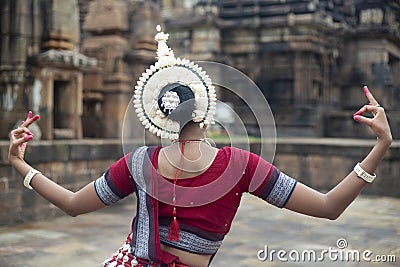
pixel 57 76
pixel 60 104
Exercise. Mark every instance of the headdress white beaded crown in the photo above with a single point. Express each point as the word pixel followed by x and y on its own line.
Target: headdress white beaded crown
pixel 169 70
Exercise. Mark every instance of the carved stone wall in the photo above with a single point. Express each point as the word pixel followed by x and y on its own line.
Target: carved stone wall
pixel 124 47
pixel 310 58
pixel 40 66
pixel 61 24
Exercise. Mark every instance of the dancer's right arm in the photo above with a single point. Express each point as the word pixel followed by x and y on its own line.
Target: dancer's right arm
pixel 73 203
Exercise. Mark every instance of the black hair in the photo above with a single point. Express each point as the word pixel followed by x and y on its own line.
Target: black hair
pixel 183 112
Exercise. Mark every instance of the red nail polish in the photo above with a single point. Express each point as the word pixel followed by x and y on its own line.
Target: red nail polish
pixel 28 137
pixel 356 118
pixel 365 89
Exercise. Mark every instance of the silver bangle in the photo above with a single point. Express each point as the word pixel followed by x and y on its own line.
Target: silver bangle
pixel 363 174
pixel 29 176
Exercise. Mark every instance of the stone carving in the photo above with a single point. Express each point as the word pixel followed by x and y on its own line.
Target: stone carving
pixel 41 67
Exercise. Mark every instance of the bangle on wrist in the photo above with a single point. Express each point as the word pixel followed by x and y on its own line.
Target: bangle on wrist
pixel 29 176
pixel 363 174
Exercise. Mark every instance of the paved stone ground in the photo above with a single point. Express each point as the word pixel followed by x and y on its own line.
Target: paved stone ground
pixel 370 223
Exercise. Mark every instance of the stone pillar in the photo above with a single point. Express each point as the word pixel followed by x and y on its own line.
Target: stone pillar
pixel 46 103
pixel 62 27
pixel 298 68
pixel 110 42
pixel 15 37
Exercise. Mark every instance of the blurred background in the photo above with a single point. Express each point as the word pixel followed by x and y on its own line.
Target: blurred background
pixel 75 62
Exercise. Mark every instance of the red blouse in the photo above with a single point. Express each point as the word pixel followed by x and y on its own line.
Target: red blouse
pixel 210 221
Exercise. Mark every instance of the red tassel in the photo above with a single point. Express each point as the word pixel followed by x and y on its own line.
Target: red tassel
pixel 173 231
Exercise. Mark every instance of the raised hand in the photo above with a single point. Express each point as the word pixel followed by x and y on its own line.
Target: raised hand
pixel 19 138
pixel 378 124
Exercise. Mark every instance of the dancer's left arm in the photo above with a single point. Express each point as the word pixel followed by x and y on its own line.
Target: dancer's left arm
pixel 308 201
pixel 73 203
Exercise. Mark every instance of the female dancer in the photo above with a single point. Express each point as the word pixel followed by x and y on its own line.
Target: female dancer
pixel 175 226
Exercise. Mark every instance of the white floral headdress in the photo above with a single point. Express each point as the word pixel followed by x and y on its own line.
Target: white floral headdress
pixel 169 70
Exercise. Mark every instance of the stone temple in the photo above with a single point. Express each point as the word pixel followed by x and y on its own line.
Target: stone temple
pixel 310 58
pixel 75 62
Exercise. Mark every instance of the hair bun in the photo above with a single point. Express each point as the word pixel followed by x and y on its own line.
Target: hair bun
pixel 169 101
pixel 177 102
